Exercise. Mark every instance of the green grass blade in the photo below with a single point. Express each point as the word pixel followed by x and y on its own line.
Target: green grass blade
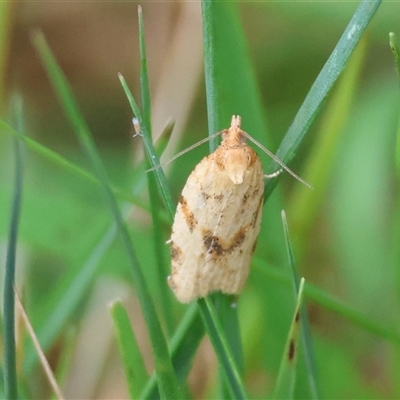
pixel 209 18
pixel 305 203
pixel 183 346
pixel 222 349
pixel 132 359
pixel 285 385
pixel 307 366
pixel 59 160
pixel 160 248
pixel 324 83
pixel 150 151
pixel 164 294
pixel 167 380
pixel 10 367
pixel 144 77
pixel 229 74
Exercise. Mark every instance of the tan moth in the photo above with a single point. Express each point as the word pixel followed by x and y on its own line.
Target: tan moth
pixel 218 219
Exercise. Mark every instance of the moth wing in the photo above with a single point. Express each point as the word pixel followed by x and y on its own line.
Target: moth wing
pixel 236 233
pixel 187 249
pixel 215 229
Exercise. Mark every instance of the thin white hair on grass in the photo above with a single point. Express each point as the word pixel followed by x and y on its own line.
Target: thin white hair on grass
pixel 181 153
pixel 275 158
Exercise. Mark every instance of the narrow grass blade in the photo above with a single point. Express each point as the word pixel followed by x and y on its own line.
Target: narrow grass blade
pixel 304 203
pixel 144 77
pixel 10 367
pixel 285 385
pixel 229 74
pixel 150 151
pixel 59 160
pixel 324 83
pixel 222 349
pixel 158 240
pixel 131 356
pixel 209 17
pixel 167 380
pixel 183 346
pixel 309 368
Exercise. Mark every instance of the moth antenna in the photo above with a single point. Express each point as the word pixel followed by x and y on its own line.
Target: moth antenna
pixel 181 153
pixel 275 158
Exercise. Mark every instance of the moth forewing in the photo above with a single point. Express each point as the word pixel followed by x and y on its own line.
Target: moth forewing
pixel 218 220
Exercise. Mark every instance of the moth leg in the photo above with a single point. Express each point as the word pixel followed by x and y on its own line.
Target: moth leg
pixel 274 174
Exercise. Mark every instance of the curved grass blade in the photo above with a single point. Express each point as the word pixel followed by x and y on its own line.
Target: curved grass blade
pixel 285 385
pixel 323 84
pixel 10 367
pixel 309 368
pixel 131 356
pixel 167 380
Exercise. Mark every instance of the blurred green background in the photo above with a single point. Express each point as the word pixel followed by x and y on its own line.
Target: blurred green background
pixel 348 246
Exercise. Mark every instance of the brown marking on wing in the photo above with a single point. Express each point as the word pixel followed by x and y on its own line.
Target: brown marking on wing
pixel 187 214
pixel 176 253
pixel 217 247
pixel 246 196
pixel 205 195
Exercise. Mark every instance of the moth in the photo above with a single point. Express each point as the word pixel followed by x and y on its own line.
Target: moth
pixel 218 219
